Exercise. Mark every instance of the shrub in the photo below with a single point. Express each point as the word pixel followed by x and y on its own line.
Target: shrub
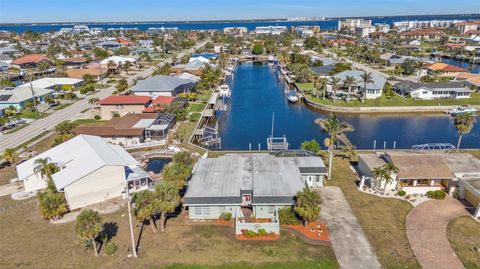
pixel 115 115
pixel 439 194
pixel 110 249
pixel 262 232
pixel 250 234
pixel 227 216
pixel 288 216
pixel 401 193
pixel 97 117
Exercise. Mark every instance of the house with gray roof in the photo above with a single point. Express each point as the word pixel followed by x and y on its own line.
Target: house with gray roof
pixel 373 90
pixel 433 90
pixel 90 171
pixel 20 96
pixel 162 85
pixel 250 185
pixel 108 44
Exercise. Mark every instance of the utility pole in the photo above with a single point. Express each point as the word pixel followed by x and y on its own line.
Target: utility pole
pixel 134 249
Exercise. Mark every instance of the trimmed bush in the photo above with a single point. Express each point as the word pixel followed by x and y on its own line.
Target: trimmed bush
pixel 401 193
pixel 439 195
pixel 110 249
pixel 288 216
pixel 262 232
pixel 226 216
pixel 97 117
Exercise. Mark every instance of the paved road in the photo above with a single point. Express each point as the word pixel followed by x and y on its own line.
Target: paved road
pixel 427 233
pixel 48 123
pixel 349 242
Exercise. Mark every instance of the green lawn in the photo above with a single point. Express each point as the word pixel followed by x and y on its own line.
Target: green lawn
pixel 28 114
pixel 194 116
pixel 396 100
pixel 464 235
pixel 62 106
pixel 18 128
pixel 382 219
pixel 195 107
pixel 88 121
pixel 320 264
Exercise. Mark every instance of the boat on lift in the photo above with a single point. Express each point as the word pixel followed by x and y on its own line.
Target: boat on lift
pixel 224 91
pixel 462 110
pixel 292 97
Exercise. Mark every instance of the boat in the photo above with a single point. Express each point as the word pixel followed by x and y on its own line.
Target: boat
pixel 224 91
pixel 462 110
pixel 292 97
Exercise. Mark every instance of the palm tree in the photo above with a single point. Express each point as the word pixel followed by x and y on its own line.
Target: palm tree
pixel 320 83
pixel 122 85
pixel 334 82
pixel 46 169
pixel 336 133
pixel 52 204
pixel 168 200
pixel 145 207
pixel 389 169
pixel 307 205
pixel 378 173
pixel 10 155
pixel 464 124
pixel 348 82
pixel 64 131
pixel 366 78
pixel 111 65
pixel 89 226
pixel 418 65
pixel 126 66
pixel 93 101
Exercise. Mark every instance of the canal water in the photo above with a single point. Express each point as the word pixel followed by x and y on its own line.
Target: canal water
pixel 257 92
pixel 473 68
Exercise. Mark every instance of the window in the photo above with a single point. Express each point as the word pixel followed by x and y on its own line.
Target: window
pixel 143 182
pixel 197 211
pixel 206 210
pixel 318 178
pixel 271 210
pixel 246 198
pixel 119 106
pixel 425 92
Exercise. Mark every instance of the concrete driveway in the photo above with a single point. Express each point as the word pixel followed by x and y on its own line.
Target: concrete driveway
pixel 427 233
pixel 349 242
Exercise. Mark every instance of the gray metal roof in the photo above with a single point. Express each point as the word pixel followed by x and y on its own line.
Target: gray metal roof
pixel 162 83
pixel 409 86
pixel 20 94
pixel 378 81
pixel 271 179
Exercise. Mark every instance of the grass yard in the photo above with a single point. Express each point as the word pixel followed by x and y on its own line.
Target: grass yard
pixel 185 130
pixel 88 121
pixel 195 107
pixel 194 116
pixel 382 219
pixel 62 106
pixel 193 246
pixel 464 234
pixel 396 100
pixel 28 114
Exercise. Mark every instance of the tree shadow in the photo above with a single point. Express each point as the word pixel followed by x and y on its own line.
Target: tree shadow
pixel 109 230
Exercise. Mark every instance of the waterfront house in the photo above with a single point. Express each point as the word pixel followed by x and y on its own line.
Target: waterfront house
pixel 31 61
pixel 91 171
pixel 194 67
pixel 159 103
pixel 60 84
pixel 131 129
pixel 120 105
pixel 351 24
pixel 433 90
pixel 188 76
pixel 468 26
pixel 250 186
pixel 18 97
pixel 419 172
pixel 374 89
pixel 470 80
pixel 429 34
pixel 469 190
pixel 162 85
pixel 270 30
pixel 444 70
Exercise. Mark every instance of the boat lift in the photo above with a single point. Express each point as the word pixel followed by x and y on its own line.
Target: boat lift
pixel 445 147
pixel 211 137
pixel 276 143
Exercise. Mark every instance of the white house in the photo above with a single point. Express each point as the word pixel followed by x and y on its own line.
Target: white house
pixel 91 171
pixel 162 85
pixel 55 83
pixel 433 90
pixel 374 89
pixel 119 60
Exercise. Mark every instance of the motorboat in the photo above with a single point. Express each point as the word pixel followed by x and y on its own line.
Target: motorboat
pixel 462 110
pixel 292 97
pixel 224 91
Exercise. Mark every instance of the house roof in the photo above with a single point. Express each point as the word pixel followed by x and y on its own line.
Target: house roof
pixel 378 81
pixel 161 83
pixel 421 165
pixel 77 158
pixel 128 125
pixel 51 82
pixel 158 103
pixel 125 100
pixel 19 94
pixel 443 67
pixel 118 60
pixel 93 70
pixel 463 163
pixel 31 58
pixel 409 86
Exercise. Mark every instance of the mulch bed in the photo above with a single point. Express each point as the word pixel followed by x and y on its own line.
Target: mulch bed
pixel 311 232
pixel 223 222
pixel 258 238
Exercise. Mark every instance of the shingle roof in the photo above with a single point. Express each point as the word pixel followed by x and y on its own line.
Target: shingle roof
pixel 421 166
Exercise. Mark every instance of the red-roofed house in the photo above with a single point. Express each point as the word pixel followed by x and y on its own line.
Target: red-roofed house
pixel 444 70
pixel 425 34
pixel 125 42
pixel 158 104
pixel 31 60
pixel 123 104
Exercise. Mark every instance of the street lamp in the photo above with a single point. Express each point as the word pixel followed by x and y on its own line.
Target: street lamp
pixel 129 199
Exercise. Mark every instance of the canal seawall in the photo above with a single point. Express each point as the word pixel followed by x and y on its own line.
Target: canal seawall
pixel 375 109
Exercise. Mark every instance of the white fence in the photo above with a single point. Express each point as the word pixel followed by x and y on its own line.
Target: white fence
pixel 269 227
pixel 147 144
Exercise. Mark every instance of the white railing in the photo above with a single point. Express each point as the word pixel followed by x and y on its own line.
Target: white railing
pixel 269 227
pixel 146 144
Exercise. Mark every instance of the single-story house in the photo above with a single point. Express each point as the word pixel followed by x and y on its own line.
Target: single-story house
pixel 108 44
pixel 470 80
pixel 97 71
pixel 55 83
pixel 145 43
pixel 122 105
pixel 374 89
pixel 131 129
pixel 419 172
pixel 469 190
pixel 162 85
pixel 188 76
pixel 74 61
pixel 20 96
pixel 118 60
pixel 399 59
pixel 261 183
pixel 433 90
pixel 91 171
pixel 195 68
pixel 159 103
pixel 31 60
pixel 444 70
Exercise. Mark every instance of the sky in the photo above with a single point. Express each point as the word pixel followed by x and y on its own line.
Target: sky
pixel 17 11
